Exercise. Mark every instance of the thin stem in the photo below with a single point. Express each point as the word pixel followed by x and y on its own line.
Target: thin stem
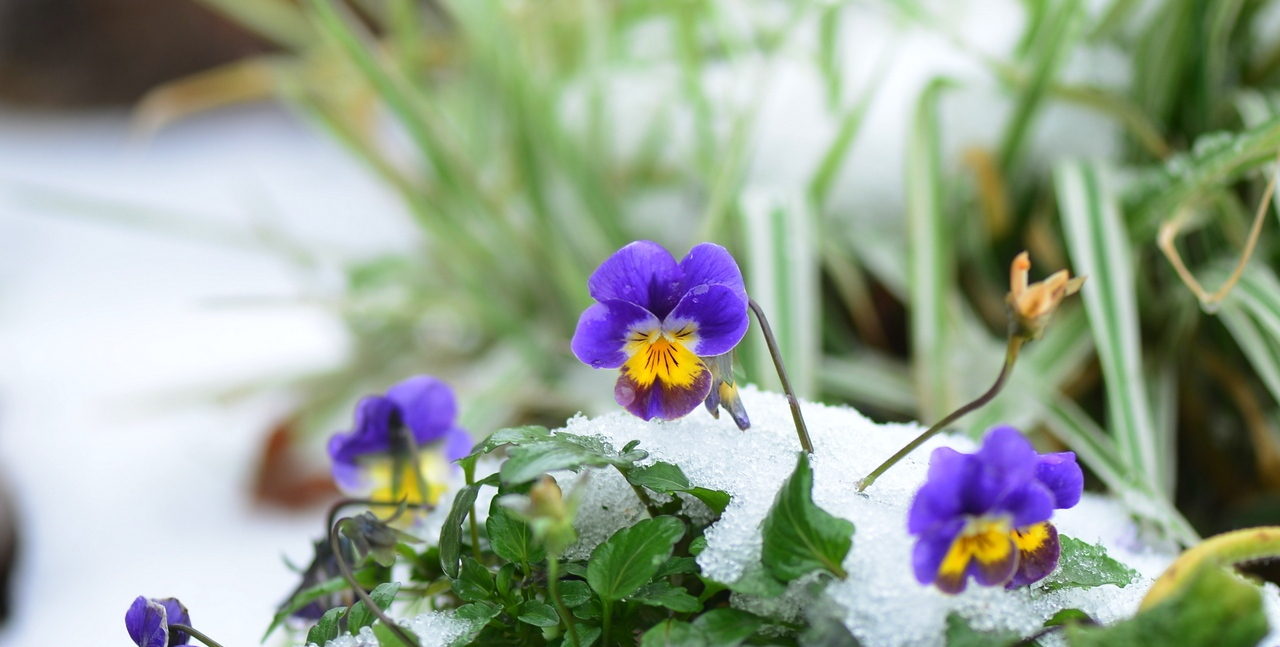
pixel 553 586
pixel 469 470
pixel 174 626
pixel 608 617
pixel 331 518
pixel 408 639
pixel 1011 356
pixel 801 430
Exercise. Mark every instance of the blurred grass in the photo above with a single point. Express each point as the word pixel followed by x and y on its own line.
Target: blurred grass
pixel 530 140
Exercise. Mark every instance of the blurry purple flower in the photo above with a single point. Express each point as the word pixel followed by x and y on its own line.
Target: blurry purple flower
pixel 986 514
pixel 656 319
pixel 148 622
pixel 402 444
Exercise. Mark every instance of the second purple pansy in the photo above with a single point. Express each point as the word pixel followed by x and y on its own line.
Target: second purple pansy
pixel 986 515
pixel 148 620
pixel 655 319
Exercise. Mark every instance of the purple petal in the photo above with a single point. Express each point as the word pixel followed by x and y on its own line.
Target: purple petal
pixel 601 338
pixel 427 407
pixel 147 624
pixel 941 499
pixel 660 399
pixel 1009 463
pixel 175 614
pixel 931 549
pixel 719 315
pixel 374 417
pixel 1038 551
pixel 642 273
pixel 1061 474
pixel 711 264
pixel 1027 505
pixel 457 443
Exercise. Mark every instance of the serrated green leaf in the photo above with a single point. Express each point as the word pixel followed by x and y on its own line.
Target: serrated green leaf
pixel 960 634
pixel 676 565
pixel 673 633
pixel 451 532
pixel 474 583
pixel 511 436
pixel 360 615
pixel 478 612
pixel 659 477
pixel 629 558
pixel 326 628
pixel 1082 565
pixel 528 462
pixel 538 614
pixel 715 499
pixel 662 594
pixel 799 537
pixel 511 538
pixel 726 627
pixel 574 592
pixel 1215 609
pixel 587 635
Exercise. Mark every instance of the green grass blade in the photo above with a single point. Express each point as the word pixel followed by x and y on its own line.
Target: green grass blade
pixel 1099 248
pixel 1047 52
pixel 279 21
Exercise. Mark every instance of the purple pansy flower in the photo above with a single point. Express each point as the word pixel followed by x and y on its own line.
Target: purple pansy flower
pixel 986 514
pixel 402 444
pixel 148 622
pixel 656 319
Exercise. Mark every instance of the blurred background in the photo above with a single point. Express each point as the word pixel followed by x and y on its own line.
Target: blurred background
pixel 223 221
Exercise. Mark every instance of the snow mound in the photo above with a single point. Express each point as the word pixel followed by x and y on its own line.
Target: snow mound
pixel 434 629
pixel 881 602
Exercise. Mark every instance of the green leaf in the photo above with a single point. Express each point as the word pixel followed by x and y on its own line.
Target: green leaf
pixel 1082 565
pixel 451 532
pixel 726 627
pixel 662 594
pixel 659 477
pixel 698 545
pixel 673 633
pixel 1215 609
pixel 538 614
pixel 388 638
pixel 528 462
pixel 717 500
pixel 587 635
pixel 326 628
pixel 1100 248
pixel 361 616
pixel 511 436
pixel 574 592
pixel 511 538
pixel 576 569
pixel 475 583
pixel 799 537
pixel 1067 616
pixel 478 612
pixel 502 580
pixel 676 565
pixel 629 558
pixel 757 581
pixel 960 634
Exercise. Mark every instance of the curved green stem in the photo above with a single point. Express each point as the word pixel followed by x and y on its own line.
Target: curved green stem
pixel 553 586
pixel 1222 550
pixel 335 543
pixel 801 430
pixel 196 634
pixel 1011 356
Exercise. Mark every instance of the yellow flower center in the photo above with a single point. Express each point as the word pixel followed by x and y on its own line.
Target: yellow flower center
pixel 417 482
pixel 983 539
pixel 662 355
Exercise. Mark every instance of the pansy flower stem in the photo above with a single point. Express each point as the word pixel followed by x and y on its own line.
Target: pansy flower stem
pixel 1010 358
pixel 336 543
pixel 194 634
pixel 469 471
pixel 553 587
pixel 801 430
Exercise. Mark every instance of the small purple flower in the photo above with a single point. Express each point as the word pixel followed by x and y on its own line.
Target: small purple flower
pixel 986 514
pixel 148 622
pixel 656 319
pixel 402 444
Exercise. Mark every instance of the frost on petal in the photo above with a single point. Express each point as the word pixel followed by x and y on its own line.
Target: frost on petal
pixel 711 264
pixel 427 407
pixel 642 273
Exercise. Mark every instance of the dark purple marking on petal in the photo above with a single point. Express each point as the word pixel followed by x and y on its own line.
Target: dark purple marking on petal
pixel 1038 555
pixel 659 399
pixel 147 623
pixel 375 416
pixel 427 407
pixel 711 264
pixel 931 548
pixel 175 614
pixel 997 572
pixel 1030 504
pixel 1062 475
pixel 718 313
pixel 601 338
pixel 643 273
